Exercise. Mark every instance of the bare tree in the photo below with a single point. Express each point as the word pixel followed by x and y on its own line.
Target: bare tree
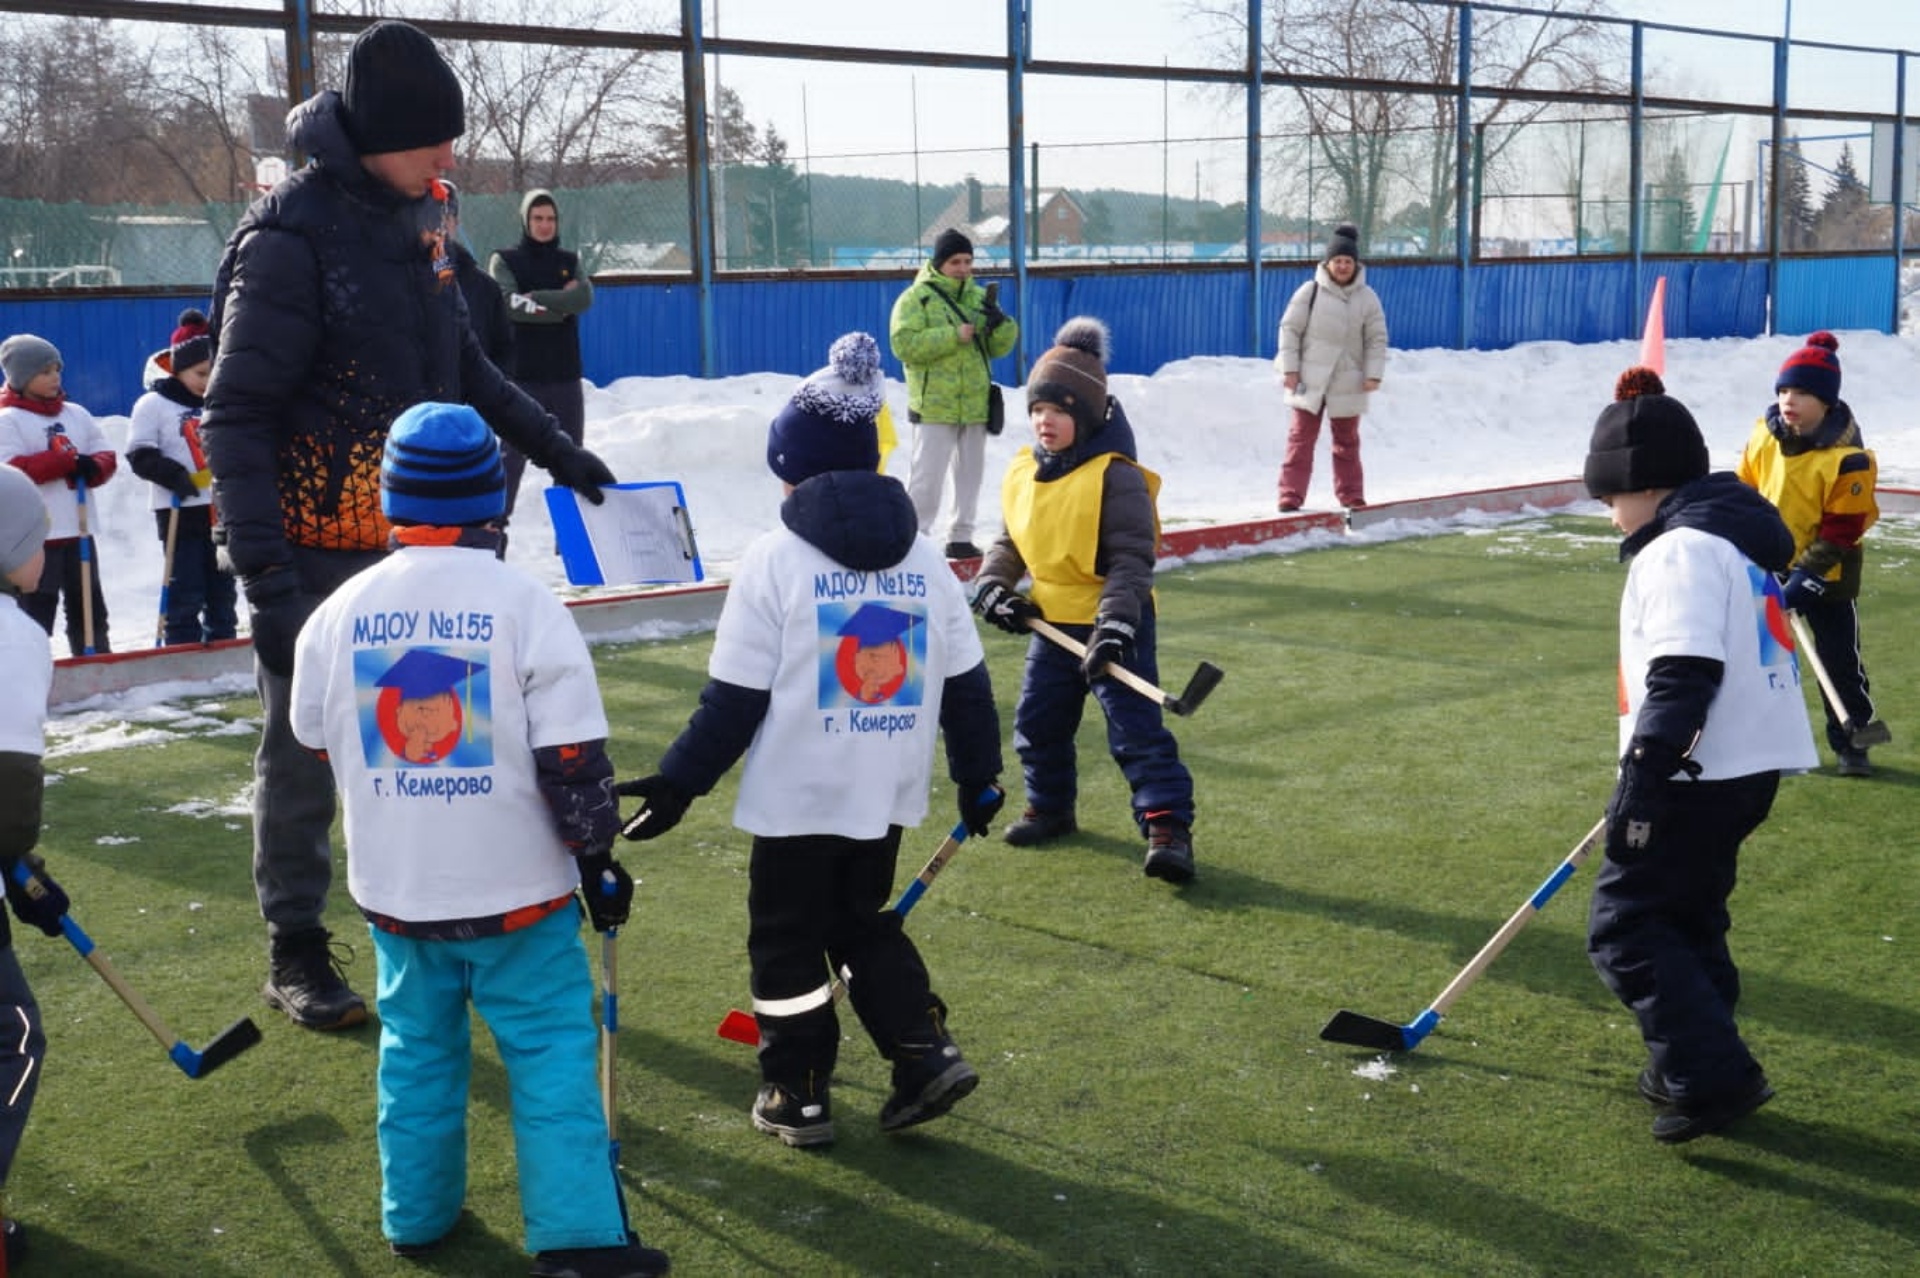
pixel 1392 136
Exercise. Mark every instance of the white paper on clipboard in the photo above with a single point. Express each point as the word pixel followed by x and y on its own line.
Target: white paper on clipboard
pixel 640 535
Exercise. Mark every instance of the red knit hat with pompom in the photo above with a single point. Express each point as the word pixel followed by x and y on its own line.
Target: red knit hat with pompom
pixel 1814 368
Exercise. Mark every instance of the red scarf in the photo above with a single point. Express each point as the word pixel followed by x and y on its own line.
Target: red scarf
pixel 11 398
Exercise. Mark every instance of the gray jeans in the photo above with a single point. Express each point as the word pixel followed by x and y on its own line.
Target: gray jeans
pixel 293 799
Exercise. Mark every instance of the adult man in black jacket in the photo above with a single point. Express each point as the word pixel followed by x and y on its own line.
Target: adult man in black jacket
pixel 335 309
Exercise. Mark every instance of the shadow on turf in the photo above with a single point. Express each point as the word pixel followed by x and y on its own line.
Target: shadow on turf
pixel 1864 1160
pixel 1430 1203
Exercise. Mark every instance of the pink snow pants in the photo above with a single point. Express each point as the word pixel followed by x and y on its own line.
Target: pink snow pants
pixel 1296 471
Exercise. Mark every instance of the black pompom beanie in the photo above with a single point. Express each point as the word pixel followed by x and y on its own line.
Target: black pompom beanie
pixel 1644 439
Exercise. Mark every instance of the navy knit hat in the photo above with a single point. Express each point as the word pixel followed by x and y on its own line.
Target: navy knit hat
pixel 1073 374
pixel 829 422
pixel 400 93
pixel 191 342
pixel 1814 368
pixel 1644 439
pixel 442 466
pixel 950 241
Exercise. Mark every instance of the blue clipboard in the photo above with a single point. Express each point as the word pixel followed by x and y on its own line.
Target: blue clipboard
pixel 640 535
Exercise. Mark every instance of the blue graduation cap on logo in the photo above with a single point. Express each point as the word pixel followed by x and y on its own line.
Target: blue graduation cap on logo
pixel 875 624
pixel 422 673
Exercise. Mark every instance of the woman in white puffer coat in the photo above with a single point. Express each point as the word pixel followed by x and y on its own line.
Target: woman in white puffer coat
pixel 1333 351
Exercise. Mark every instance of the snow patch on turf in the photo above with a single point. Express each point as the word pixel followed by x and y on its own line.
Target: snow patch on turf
pixel 1377 1070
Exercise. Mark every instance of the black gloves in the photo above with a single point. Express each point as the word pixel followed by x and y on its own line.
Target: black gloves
pixel 1005 607
pixel 980 802
pixel 661 806
pixel 39 902
pixel 86 469
pixel 1801 589
pixel 1639 801
pixel 278 607
pixel 1111 643
pixel 180 482
pixel 608 890
pixel 580 470
pixel 991 314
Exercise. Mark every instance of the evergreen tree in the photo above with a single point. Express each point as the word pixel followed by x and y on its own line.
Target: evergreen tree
pixel 1795 217
pixel 1673 215
pixel 1846 214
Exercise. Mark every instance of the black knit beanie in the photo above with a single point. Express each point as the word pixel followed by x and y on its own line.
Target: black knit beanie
pixel 400 93
pixel 1644 439
pixel 1345 242
pixel 949 242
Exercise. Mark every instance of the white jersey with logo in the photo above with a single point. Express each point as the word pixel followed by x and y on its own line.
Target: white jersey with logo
pixel 174 429
pixel 1692 594
pixel 856 662
pixel 24 433
pixel 429 680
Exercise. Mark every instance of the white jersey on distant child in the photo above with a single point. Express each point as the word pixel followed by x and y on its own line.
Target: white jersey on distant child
pixel 24 433
pixel 430 679
pixel 1692 594
pixel 856 662
pixel 174 429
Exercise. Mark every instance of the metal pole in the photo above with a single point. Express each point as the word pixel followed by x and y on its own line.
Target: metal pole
pixel 693 69
pixel 1899 182
pixel 1462 165
pixel 1776 187
pixel 1019 43
pixel 1255 254
pixel 1636 171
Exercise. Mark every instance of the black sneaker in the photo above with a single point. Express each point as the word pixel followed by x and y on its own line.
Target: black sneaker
pixel 630 1261
pixel 1853 763
pixel 1169 851
pixel 962 550
pixel 797 1122
pixel 1654 1087
pixel 1036 827
pixel 306 980
pixel 928 1087
pixel 1681 1123
pixel 15 1243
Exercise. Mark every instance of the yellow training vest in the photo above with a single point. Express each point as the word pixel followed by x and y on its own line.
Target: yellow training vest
pixel 1056 528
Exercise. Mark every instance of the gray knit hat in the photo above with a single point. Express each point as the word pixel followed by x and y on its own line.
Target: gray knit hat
pixel 24 357
pixel 23 518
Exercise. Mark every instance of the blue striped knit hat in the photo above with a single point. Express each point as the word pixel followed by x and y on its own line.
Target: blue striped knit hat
pixel 829 424
pixel 442 466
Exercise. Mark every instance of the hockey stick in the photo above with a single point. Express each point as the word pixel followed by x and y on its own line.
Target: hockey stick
pixel 226 1045
pixel 1867 735
pixel 740 1027
pixel 1206 677
pixel 1384 1036
pixel 166 573
pixel 86 569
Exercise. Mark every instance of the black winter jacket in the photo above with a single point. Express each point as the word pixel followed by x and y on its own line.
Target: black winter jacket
pixel 329 320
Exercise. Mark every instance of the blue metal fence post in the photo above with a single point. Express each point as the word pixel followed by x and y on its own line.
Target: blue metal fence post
pixel 1462 165
pixel 1019 48
pixel 693 70
pixel 1636 173
pixel 1899 183
pixel 1255 255
pixel 1775 188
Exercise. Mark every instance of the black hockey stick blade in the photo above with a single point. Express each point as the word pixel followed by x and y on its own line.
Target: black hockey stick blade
pixel 227 1044
pixel 1356 1030
pixel 1198 689
pixel 1869 735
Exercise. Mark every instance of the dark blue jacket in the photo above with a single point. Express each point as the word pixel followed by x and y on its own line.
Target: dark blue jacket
pixel 330 319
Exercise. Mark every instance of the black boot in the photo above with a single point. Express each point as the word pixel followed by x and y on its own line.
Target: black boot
pixel 304 980
pixel 1169 850
pixel 1036 827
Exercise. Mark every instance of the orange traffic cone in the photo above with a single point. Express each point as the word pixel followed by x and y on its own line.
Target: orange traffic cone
pixel 1653 337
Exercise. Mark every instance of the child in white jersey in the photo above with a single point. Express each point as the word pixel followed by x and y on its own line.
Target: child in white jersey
pixel 1710 715
pixel 844 645
pixel 455 701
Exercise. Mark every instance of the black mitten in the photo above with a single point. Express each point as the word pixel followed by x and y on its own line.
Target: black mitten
pixel 980 802
pixel 581 471
pixel 661 806
pixel 39 902
pixel 608 890
pixel 1639 802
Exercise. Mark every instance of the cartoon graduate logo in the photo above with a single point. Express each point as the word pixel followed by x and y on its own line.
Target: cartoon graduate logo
pixel 425 707
pixel 1775 631
pixel 873 655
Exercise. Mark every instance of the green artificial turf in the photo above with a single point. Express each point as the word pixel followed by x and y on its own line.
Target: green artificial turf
pixel 1409 738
